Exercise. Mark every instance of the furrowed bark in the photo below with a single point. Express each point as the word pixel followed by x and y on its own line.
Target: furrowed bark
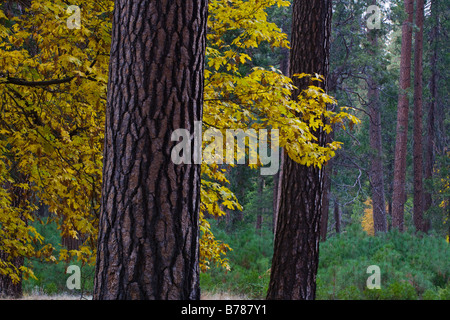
pixel 148 245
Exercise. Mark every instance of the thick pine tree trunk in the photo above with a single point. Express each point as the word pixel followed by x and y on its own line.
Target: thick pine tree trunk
pixel 418 127
pixel 295 259
pixel 148 244
pixel 376 169
pixel 398 192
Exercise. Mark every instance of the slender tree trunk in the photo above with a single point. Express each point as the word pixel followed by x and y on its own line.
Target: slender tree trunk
pixel 337 216
pixel 376 169
pixel 148 244
pixel 399 194
pixel 259 215
pixel 19 199
pixel 418 127
pixel 431 128
pixel 8 288
pixel 295 259
pixel 278 192
pixel 284 67
pixel 326 194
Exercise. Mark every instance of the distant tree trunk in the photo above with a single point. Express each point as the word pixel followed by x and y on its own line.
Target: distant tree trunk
pixel 19 199
pixel 398 194
pixel 259 215
pixel 148 244
pixel 431 128
pixel 9 288
pixel 296 249
pixel 278 192
pixel 376 169
pixel 284 67
pixel 337 216
pixel 417 150
pixel 326 194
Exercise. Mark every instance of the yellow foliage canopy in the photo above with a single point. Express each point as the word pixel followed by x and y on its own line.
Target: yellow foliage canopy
pixel 53 84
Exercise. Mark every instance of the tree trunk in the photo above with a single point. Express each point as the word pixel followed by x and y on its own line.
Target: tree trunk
pixel 337 217
pixel 296 249
pixel 417 150
pixel 20 198
pixel 431 128
pixel 278 193
pixel 326 194
pixel 148 244
pixel 8 288
pixel 259 215
pixel 284 67
pixel 376 169
pixel 399 195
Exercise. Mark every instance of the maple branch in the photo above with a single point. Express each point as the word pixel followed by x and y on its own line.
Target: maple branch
pixel 44 83
pixel 22 82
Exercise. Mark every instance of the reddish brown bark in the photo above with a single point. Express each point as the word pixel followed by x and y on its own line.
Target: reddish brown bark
pixel 431 128
pixel 418 204
pixel 296 249
pixel 148 244
pixel 398 194
pixel 376 169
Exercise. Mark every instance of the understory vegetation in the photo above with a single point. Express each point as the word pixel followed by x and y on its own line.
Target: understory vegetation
pixel 412 267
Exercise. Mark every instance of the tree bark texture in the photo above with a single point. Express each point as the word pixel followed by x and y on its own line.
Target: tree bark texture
pixel 418 203
pixel 296 248
pixel 148 244
pixel 399 195
pixel 376 168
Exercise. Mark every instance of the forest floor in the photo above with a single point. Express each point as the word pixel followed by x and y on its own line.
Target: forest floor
pixel 205 296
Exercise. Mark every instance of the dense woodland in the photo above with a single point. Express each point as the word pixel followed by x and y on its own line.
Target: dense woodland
pixel 90 96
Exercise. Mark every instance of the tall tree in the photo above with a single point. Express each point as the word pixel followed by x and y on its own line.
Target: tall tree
pixel 418 127
pixel 376 168
pixel 295 259
pixel 148 245
pixel 398 193
pixel 431 128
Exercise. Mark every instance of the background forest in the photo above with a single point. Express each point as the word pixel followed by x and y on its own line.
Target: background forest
pixel 52 223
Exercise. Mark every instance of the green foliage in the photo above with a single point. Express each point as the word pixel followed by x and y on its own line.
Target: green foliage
pixel 412 266
pixel 51 277
pixel 250 262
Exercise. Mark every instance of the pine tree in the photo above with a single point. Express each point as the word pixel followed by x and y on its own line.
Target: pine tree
pixel 418 107
pixel 399 194
pixel 295 259
pixel 148 245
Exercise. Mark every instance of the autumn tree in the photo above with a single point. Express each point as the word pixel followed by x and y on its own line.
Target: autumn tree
pixel 52 81
pixel 148 245
pixel 295 259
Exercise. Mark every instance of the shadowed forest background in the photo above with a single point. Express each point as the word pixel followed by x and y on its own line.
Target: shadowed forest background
pixel 51 136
